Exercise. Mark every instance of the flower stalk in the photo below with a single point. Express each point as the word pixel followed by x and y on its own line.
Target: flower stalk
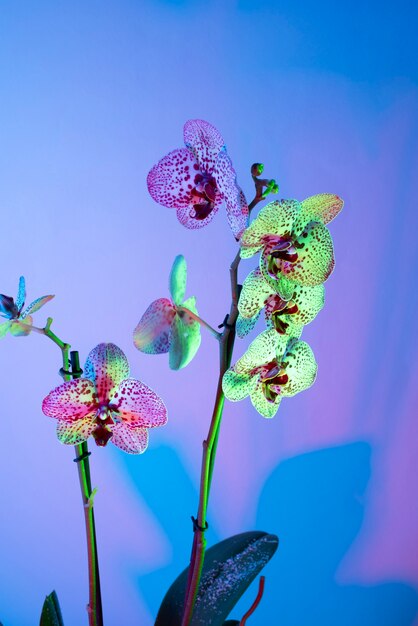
pixel 226 347
pixel 71 360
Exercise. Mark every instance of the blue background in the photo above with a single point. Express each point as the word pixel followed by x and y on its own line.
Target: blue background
pixel 92 94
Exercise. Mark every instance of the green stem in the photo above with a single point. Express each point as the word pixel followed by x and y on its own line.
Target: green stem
pixel 185 311
pixel 94 607
pixel 209 451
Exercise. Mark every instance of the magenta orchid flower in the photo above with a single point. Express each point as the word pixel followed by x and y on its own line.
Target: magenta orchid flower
pixel 273 367
pixel 293 240
pixel 196 180
pixel 106 404
pixel 287 316
pixel 19 320
pixel 170 325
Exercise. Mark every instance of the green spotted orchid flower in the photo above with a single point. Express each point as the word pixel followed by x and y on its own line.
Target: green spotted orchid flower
pixel 272 368
pixel 287 316
pixel 293 240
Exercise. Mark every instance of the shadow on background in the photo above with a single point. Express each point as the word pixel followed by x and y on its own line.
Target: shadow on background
pixel 314 503
pixel 172 499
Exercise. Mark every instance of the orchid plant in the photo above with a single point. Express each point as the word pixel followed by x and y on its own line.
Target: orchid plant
pixel 295 257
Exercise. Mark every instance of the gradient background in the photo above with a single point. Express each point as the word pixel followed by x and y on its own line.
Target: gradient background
pixel 92 94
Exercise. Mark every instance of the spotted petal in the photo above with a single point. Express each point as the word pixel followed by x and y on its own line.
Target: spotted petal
pixel 72 433
pixel 172 178
pixel 320 208
pixel 276 218
pixel 21 294
pixel 237 386
pixel 236 205
pixel 255 291
pixel 315 260
pixel 138 406
pixel 310 300
pixel 21 328
pixel 205 141
pixel 262 405
pixel 301 367
pixel 185 337
pixel 178 278
pixel 71 401
pixel 36 305
pixel 131 440
pixel 245 325
pixel 261 351
pixel 106 367
pixel 153 332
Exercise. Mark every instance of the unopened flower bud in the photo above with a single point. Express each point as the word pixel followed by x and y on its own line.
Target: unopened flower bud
pixel 257 169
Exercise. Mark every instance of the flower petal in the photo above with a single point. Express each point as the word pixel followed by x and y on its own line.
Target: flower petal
pixel 205 141
pixel 320 208
pixel 4 328
pixel 21 294
pixel 262 405
pixel 131 440
pixel 71 401
pixel 276 218
pixel 137 405
pixel 7 306
pixel 152 335
pixel 236 204
pixel 185 337
pixel 106 366
pixel 254 293
pixel 237 386
pixel 187 215
pixel 301 367
pixel 315 260
pixel 72 433
pixel 245 325
pixel 36 305
pixel 261 351
pixel 172 178
pixel 178 279
pixel 21 328
pixel 310 300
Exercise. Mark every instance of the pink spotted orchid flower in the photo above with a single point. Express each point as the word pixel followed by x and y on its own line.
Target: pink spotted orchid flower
pixel 168 325
pixel 195 180
pixel 19 320
pixel 293 240
pixel 273 367
pixel 106 404
pixel 287 317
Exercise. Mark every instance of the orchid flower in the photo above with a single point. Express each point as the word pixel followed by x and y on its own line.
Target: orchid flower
pixel 106 404
pixel 273 367
pixel 196 180
pixel 287 316
pixel 169 325
pixel 19 321
pixel 293 240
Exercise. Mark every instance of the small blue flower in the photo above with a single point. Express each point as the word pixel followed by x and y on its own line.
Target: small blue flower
pixel 19 321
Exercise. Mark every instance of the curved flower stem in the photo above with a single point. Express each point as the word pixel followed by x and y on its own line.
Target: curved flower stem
pixel 185 311
pixel 94 607
pixel 255 603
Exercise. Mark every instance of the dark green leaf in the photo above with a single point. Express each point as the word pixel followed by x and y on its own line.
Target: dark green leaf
pixel 229 568
pixel 51 612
